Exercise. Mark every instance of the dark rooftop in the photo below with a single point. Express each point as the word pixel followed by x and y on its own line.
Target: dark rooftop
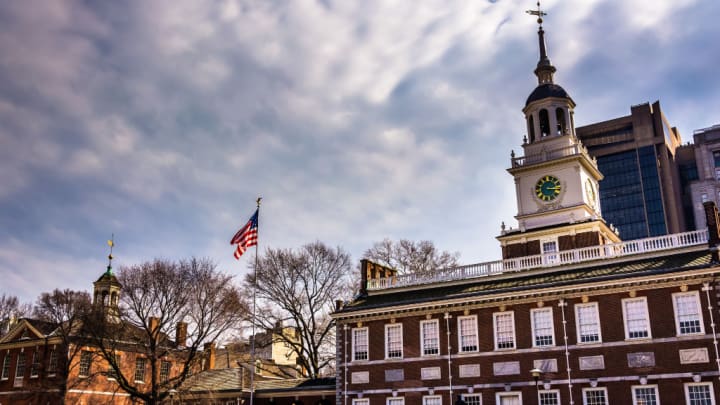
pixel 534 280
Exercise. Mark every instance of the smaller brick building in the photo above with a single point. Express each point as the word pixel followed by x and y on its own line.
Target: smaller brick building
pixel 47 363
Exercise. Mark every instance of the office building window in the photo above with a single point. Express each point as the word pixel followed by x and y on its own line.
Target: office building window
pixel 360 401
pixel 542 327
pixel 472 399
pixel 395 401
pixel 595 396
pixel 52 363
pixel 688 317
pixel 432 400
pixel 508 398
pixel 85 361
pixel 35 365
pixel 588 323
pixel 140 365
pixel 164 371
pixel 20 367
pixel 468 336
pixel 393 341
pixel 6 367
pixel 549 250
pixel 637 321
pixel 504 323
pixel 699 394
pixel 645 395
pixel 360 344
pixel 430 337
pixel 549 397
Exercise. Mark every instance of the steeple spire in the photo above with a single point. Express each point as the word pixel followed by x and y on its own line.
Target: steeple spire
pixel 544 70
pixel 110 243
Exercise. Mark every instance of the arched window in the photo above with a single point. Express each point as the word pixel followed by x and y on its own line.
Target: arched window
pixel 531 128
pixel 561 124
pixel 544 123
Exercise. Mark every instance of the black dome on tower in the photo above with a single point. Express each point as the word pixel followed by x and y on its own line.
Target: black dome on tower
pixel 546 90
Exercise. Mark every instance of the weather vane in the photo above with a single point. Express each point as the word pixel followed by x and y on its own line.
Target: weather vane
pixel 110 243
pixel 539 13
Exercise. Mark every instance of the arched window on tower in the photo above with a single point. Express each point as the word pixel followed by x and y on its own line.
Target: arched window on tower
pixel 531 128
pixel 544 123
pixel 561 124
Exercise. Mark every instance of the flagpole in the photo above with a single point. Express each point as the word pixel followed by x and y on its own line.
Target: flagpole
pixel 252 343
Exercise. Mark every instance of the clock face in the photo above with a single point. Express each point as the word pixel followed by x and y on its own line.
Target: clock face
pixel 547 188
pixel 590 192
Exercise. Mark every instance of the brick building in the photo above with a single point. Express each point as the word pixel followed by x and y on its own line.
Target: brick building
pixel 571 314
pixel 42 365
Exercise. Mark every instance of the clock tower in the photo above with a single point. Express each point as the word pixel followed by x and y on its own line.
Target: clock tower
pixel 556 180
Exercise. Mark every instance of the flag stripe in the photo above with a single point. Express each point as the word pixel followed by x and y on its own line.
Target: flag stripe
pixel 246 237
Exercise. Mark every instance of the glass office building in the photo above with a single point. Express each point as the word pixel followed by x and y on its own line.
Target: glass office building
pixel 641 191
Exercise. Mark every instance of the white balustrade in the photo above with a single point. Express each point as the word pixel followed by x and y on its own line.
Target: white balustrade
pixel 586 254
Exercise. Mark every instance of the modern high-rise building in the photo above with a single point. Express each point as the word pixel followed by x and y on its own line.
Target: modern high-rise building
pixel 699 165
pixel 641 191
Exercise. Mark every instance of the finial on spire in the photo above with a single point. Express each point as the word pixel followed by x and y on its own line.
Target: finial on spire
pixel 110 243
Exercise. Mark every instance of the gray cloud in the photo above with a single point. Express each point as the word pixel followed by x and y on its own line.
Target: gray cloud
pixel 162 121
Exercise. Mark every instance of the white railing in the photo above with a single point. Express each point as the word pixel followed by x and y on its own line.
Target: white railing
pixel 572 150
pixel 622 249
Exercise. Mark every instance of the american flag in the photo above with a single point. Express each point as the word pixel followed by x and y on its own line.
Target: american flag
pixel 247 236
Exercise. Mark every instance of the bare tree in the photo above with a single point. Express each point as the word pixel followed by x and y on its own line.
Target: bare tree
pixel 65 310
pixel 156 297
pixel 298 289
pixel 407 256
pixel 10 307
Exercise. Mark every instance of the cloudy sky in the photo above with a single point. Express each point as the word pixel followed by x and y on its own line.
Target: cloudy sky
pixel 162 121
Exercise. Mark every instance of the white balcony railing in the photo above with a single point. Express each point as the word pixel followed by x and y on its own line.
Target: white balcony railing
pixel 615 250
pixel 572 150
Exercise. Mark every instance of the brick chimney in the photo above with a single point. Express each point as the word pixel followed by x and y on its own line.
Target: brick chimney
pixel 154 326
pixel 209 349
pixel 181 334
pixel 370 271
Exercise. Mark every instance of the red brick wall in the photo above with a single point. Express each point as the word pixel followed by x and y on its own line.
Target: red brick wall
pixel 614 348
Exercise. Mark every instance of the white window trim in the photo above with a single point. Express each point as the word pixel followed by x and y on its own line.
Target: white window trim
pixel 584 396
pixel 422 337
pixel 553 256
pixel 556 392
pixel 387 348
pixel 352 337
pixel 552 326
pixel 696 294
pixel 634 387
pixel 687 390
pixel 499 395
pixel 426 397
pixel 360 401
pixel 495 331
pixel 625 319
pixel 401 399
pixel 476 395
pixel 577 322
pixel 475 330
pixel 646 386
pixel 5 376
